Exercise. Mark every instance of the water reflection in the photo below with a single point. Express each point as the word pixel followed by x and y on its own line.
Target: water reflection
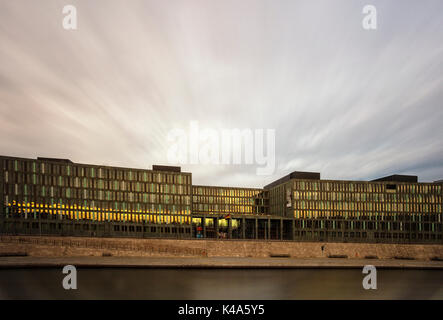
pixel 125 283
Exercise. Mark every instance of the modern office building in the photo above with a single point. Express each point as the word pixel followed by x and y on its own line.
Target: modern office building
pixel 391 209
pixel 56 196
pixel 45 195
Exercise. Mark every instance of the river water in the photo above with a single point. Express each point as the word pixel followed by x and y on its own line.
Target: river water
pixel 130 283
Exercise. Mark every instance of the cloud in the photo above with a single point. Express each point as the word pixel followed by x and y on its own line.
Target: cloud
pixel 350 103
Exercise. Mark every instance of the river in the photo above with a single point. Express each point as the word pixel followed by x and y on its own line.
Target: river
pixel 133 283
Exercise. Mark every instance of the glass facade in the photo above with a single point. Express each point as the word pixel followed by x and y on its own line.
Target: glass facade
pixel 224 200
pixel 34 191
pixel 68 191
pixel 353 210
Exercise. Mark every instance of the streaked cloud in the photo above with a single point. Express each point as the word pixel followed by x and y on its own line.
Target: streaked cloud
pixel 350 103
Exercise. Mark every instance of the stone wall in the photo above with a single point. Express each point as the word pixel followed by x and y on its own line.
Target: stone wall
pixel 76 246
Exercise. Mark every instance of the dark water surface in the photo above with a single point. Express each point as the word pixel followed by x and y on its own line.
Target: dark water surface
pixel 129 283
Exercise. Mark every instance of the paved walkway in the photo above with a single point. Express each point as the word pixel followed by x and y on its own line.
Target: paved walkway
pixel 146 262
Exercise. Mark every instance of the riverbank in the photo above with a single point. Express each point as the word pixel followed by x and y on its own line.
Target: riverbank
pixel 47 246
pixel 214 263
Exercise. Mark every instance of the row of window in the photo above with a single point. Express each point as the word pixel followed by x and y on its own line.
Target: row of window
pixel 368 206
pixel 223 200
pixel 101 216
pixel 369 225
pixel 17 171
pixel 374 197
pixel 52 204
pixel 377 235
pixel 414 216
pixel 222 223
pixel 161 191
pixel 225 192
pixel 76 182
pixel 343 186
pixel 222 208
pixel 67 193
pixel 125 228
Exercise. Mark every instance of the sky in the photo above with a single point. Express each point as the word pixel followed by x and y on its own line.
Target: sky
pixel 351 103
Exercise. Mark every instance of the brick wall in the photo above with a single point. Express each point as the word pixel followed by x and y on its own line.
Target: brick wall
pixel 76 246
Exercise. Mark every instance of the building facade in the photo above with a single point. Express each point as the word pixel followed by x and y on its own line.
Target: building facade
pixel 44 195
pixel 391 209
pixel 56 196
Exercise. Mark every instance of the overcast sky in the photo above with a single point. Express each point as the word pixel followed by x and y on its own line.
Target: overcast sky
pixel 344 101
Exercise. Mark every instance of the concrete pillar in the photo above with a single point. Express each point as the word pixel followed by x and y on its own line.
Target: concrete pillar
pixel 230 228
pixel 441 229
pixel 243 228
pixel 293 229
pixel 281 229
pixel 143 230
pixel 204 227
pixel 269 229
pixel 256 228
pixel 216 227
